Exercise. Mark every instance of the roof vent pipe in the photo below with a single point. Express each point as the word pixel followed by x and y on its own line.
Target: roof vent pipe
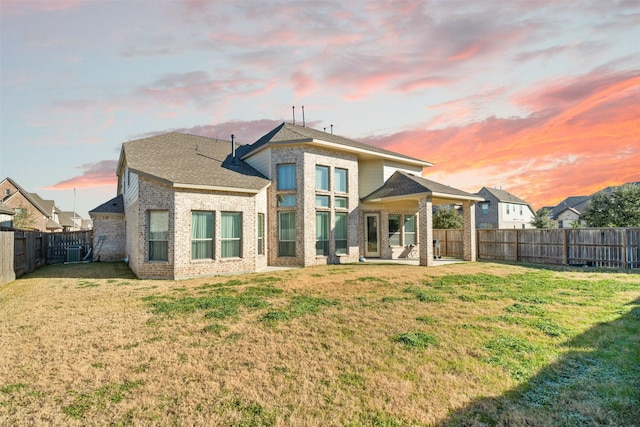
pixel 293 109
pixel 331 129
pixel 303 116
pixel 233 146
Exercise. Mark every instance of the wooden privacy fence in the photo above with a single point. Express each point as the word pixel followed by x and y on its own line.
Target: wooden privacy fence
pixel 71 246
pixel 597 247
pixel 450 242
pixel 30 251
pixel 24 251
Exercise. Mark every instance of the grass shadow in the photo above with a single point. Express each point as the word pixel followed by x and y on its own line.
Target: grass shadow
pixel 596 383
pixel 91 270
pixel 563 268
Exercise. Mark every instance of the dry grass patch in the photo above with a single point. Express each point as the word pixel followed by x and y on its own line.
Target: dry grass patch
pixel 355 345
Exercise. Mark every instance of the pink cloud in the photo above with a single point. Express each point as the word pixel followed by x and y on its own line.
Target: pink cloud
pixel 551 153
pixel 98 174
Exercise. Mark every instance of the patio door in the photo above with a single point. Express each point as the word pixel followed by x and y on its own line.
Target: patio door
pixel 372 235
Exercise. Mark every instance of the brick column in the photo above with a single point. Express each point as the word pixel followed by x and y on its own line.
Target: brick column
pixel 469 231
pixel 425 231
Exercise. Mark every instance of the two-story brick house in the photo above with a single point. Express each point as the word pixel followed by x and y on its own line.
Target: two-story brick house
pixel 189 205
pixel 32 212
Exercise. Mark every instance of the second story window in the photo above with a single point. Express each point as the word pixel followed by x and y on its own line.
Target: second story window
pixel 485 208
pixel 341 180
pixel 322 178
pixel 287 176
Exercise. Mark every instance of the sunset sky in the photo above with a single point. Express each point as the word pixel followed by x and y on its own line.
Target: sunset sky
pixel 539 98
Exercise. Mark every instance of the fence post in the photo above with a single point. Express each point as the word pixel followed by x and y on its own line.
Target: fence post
pixel 625 257
pixel 515 249
pixel 565 248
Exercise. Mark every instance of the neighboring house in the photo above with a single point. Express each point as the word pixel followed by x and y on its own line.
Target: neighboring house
pixel 6 216
pixel 568 213
pixel 75 221
pixel 190 205
pixel 56 219
pixel 501 209
pixel 30 213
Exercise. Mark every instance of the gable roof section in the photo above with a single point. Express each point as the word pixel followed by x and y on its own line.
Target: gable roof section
pixel 190 161
pixel 288 133
pixel 504 196
pixel 403 185
pixel 113 206
pixel 28 196
pixel 577 203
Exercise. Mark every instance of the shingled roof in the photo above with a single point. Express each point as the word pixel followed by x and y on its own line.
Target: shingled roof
pixel 191 161
pixel 405 184
pixel 113 206
pixel 295 134
pixel 505 196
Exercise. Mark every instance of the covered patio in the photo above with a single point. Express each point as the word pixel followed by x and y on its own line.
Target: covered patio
pixel 404 192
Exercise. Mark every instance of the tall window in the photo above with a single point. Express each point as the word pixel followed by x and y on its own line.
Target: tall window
pixel 158 235
pixel 410 230
pixel 394 230
pixel 287 233
pixel 340 178
pixel 322 233
pixel 322 178
pixel 202 235
pixel 287 176
pixel 485 208
pixel 341 232
pixel 260 234
pixel 231 235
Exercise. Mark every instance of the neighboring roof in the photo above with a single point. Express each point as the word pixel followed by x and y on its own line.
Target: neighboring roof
pixel 6 210
pixel 577 203
pixel 28 196
pixel 295 134
pixel 403 184
pixel 52 225
pixel 504 196
pixel 47 205
pixel 190 161
pixel 113 206
pixel 65 220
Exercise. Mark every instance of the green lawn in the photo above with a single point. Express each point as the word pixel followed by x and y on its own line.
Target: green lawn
pixel 349 345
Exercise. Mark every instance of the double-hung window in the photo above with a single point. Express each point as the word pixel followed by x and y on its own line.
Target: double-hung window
pixel 260 234
pixel 287 233
pixel 394 230
pixel 341 232
pixel 409 230
pixel 158 235
pixel 322 233
pixel 231 235
pixel 202 235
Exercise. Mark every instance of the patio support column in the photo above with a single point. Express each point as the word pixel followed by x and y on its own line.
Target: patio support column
pixel 469 231
pixel 425 231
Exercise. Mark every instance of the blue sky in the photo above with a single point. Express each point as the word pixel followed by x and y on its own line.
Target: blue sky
pixel 538 98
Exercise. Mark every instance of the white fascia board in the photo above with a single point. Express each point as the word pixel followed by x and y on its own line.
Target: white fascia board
pixel 457 197
pixel 217 188
pixel 341 147
pixel 350 149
